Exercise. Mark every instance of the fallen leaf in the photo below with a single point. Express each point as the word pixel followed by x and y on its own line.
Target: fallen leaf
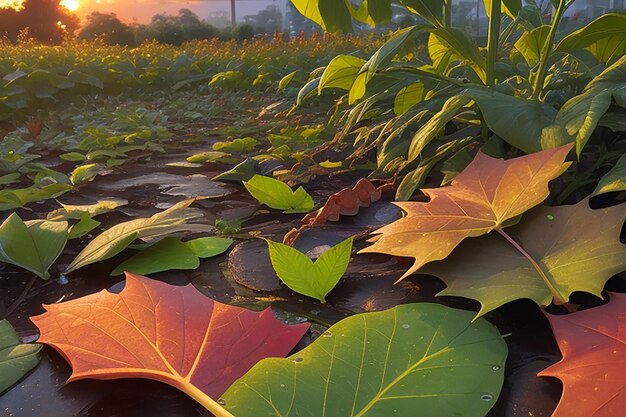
pixel 171 253
pixel 487 194
pixel 16 359
pixel 278 195
pixel 414 359
pixel 576 248
pixel 315 279
pixel 593 368
pixel 114 240
pixel 170 334
pixel 33 245
pixel 69 211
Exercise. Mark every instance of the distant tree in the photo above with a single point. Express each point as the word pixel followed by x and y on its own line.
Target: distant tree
pixel 109 28
pixel 176 29
pixel 45 20
pixel 268 20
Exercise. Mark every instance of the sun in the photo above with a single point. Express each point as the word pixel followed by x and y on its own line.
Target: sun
pixel 70 5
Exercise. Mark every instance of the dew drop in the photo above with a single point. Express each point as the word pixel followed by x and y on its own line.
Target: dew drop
pixel 496 367
pixel 405 326
pixel 486 397
pixel 297 359
pixel 550 217
pixel 221 402
pixel 282 385
pixel 327 334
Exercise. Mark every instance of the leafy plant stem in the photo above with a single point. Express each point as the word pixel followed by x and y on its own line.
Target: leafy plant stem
pixel 558 298
pixel 204 400
pixel 546 51
pixel 492 41
pixel 447 14
pixel 21 297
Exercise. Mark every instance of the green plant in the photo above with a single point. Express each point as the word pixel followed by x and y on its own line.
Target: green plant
pixel 278 195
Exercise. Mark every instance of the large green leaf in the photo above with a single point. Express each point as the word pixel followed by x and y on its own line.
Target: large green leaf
pixel 301 274
pixel 388 51
pixel 614 180
pixel 580 115
pixel 431 10
pixel 336 15
pixel 117 238
pixel 510 7
pixel 341 72
pixel 278 195
pixel 528 125
pixel 171 253
pixel 15 359
pixel 32 245
pixel 435 124
pixel 407 97
pixel 69 211
pixel 605 26
pixel 530 44
pixel 415 359
pixel 577 249
pixel 447 45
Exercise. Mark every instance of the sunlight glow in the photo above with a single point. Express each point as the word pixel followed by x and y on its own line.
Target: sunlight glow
pixel 70 5
pixel 13 4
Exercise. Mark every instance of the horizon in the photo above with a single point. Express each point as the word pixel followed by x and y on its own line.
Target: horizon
pixel 141 11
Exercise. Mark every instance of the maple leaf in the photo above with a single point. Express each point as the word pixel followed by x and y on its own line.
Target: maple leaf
pixel 593 368
pixel 551 253
pixel 482 198
pixel 166 333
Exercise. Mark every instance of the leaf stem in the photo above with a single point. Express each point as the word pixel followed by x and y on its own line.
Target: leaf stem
pixel 204 400
pixel 546 51
pixel 21 297
pixel 493 40
pixel 558 298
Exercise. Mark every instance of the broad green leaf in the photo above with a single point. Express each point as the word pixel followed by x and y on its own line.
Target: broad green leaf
pixel 580 115
pixel 446 45
pixel 206 247
pixel 16 359
pixel 308 90
pixel 11 199
pixel 69 211
pixel 10 178
pixel 84 226
pixel 331 15
pixel 114 240
pixel 605 26
pixel 435 124
pixel 301 274
pixel 389 49
pixel 614 180
pixel 431 10
pixel 341 72
pixel 278 195
pixel 358 89
pixel 240 145
pixel 455 164
pixel 73 156
pixel 169 253
pixel 510 7
pixel 577 248
pixel 33 245
pixel 209 156
pixel 528 125
pixel 609 49
pixel 412 360
pixel 407 97
pixel 241 172
pixel 286 80
pixel 531 43
pixel 85 173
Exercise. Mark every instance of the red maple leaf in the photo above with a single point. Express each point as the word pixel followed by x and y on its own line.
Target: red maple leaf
pixel 593 368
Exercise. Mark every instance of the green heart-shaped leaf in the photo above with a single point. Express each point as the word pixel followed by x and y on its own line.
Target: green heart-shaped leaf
pixel 301 274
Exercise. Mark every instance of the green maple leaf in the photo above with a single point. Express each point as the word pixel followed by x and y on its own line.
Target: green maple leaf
pixel 551 253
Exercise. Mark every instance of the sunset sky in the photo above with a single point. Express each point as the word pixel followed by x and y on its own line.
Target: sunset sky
pixel 143 10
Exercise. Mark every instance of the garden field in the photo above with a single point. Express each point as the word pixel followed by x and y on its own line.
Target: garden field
pixel 408 223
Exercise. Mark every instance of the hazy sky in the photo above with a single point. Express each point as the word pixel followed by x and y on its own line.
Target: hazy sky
pixel 143 10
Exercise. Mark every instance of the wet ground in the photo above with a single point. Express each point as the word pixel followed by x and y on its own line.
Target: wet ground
pixel 244 277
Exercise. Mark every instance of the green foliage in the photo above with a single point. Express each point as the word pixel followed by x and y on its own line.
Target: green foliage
pixel 16 359
pixel 278 195
pixel 119 237
pixel 314 279
pixel 614 180
pixel 171 253
pixel 424 357
pixel 33 245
